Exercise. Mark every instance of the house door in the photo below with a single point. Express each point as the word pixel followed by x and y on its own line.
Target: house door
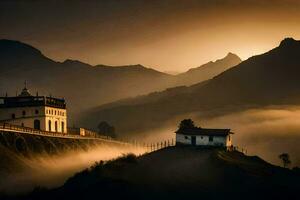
pixel 56 127
pixel 194 140
pixel 37 124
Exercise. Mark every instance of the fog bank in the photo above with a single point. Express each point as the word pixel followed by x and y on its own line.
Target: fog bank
pixel 52 171
pixel 265 132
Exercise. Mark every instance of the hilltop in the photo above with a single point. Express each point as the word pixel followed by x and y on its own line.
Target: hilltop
pixel 180 172
pixel 267 79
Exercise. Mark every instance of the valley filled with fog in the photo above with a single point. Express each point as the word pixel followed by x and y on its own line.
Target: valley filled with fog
pixel 49 171
pixel 264 132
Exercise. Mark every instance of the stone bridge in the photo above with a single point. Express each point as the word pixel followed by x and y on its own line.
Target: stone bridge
pixel 28 141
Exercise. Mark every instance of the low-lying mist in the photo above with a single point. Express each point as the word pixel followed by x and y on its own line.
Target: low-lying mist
pixel 51 171
pixel 266 132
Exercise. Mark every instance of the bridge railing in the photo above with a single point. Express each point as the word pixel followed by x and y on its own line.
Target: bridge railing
pixel 28 130
pixel 11 127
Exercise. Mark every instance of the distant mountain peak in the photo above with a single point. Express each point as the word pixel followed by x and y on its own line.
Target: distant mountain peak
pixel 229 54
pixel 75 62
pixel 289 42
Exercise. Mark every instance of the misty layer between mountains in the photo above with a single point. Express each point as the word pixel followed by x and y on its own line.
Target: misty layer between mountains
pixel 51 171
pixel 265 132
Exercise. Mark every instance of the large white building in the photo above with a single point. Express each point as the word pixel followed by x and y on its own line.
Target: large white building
pixel 38 112
pixel 197 136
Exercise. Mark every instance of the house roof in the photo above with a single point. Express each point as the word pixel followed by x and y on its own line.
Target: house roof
pixel 31 101
pixel 204 131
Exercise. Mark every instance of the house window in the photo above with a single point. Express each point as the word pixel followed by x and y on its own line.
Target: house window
pixel 211 138
pixel 22 124
pixel 201 137
pixel 36 111
pixel 23 113
pixel 55 113
pixel 49 125
pixel 186 137
pixel 13 116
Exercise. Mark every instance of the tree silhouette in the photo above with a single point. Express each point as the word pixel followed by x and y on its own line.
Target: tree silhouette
pixel 186 124
pixel 285 158
pixel 106 129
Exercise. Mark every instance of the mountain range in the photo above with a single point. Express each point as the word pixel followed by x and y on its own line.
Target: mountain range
pixel 267 79
pixel 85 86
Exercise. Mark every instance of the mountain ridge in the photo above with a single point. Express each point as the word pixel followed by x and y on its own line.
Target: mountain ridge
pixel 252 82
pixel 83 85
pixel 210 69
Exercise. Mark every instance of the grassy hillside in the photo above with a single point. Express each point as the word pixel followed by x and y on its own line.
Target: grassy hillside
pixel 177 173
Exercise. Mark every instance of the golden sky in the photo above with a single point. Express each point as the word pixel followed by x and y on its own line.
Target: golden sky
pixel 168 35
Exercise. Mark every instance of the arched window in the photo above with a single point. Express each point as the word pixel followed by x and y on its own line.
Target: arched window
pixel 37 124
pixel 56 128
pixel 49 125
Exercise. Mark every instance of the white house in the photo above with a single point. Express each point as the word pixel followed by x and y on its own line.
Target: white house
pixel 204 137
pixel 38 112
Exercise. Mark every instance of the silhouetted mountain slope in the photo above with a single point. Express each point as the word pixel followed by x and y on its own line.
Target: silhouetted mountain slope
pixel 81 84
pixel 180 173
pixel 84 86
pixel 267 79
pixel 208 70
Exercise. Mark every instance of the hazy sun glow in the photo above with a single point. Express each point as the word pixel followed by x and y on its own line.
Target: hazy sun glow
pixel 168 35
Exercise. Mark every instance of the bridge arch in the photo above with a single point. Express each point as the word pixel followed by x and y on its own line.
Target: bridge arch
pixel 21 145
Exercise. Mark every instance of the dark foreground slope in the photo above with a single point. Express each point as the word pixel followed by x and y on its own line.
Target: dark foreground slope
pixel 268 79
pixel 180 173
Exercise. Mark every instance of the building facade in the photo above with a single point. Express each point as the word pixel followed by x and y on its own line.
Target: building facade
pixel 38 112
pixel 204 137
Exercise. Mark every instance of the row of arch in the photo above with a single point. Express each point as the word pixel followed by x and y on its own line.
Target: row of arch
pixel 37 125
pixel 56 126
